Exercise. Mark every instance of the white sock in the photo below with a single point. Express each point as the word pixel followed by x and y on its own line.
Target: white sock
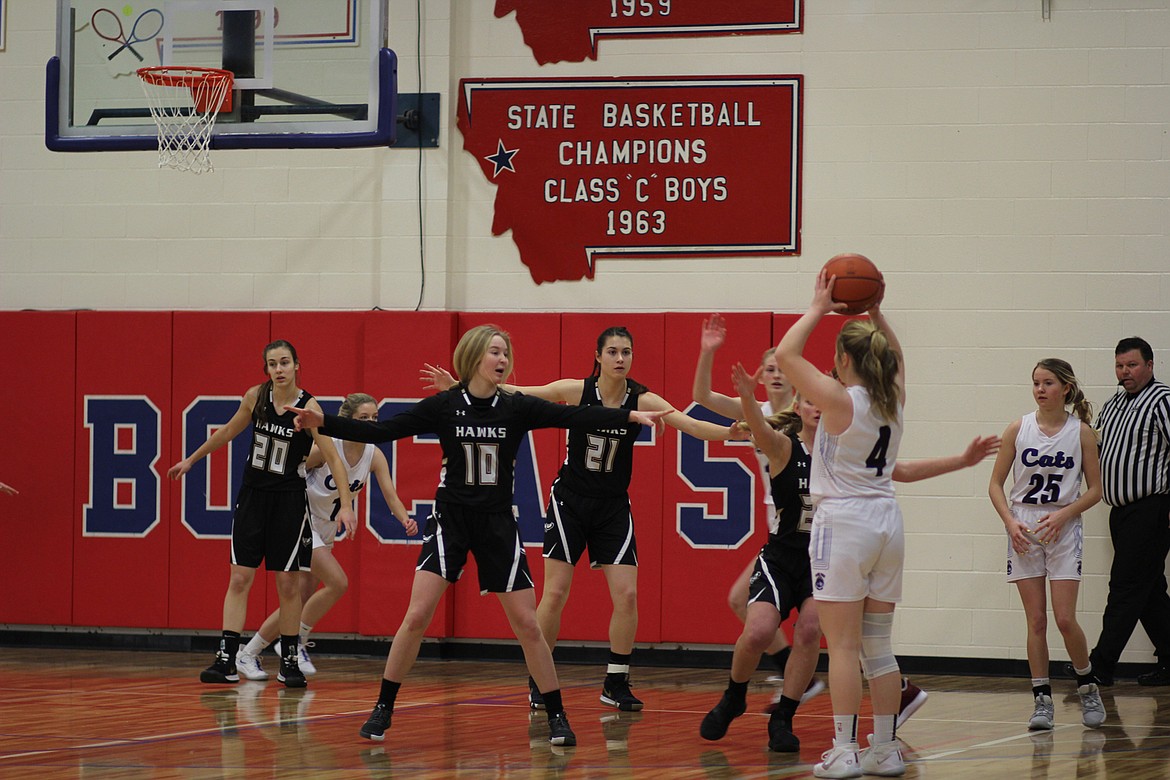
pixel 844 730
pixel 305 634
pixel 256 644
pixel 883 728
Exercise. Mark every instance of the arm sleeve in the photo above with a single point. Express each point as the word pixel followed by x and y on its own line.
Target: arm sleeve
pixel 420 418
pixel 543 414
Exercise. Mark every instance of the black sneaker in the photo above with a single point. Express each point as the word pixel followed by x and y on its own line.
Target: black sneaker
pixel 223 671
pixel 715 723
pixel 781 738
pixel 290 674
pixel 617 694
pixel 559 732
pixel 535 700
pixel 375 726
pixel 1160 676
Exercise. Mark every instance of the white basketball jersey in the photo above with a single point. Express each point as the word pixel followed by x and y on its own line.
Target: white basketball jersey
pixel 1047 469
pixel 322 493
pixel 766 408
pixel 860 460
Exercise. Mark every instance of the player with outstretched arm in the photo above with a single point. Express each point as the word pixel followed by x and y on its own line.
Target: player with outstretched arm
pixel 480 428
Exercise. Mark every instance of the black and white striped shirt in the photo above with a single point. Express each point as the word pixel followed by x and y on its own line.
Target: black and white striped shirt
pixel 1135 444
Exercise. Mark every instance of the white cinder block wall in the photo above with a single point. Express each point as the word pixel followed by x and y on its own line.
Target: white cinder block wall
pixel 1010 175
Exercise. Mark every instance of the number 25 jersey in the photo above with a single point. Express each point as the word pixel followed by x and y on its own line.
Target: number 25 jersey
pixel 1047 469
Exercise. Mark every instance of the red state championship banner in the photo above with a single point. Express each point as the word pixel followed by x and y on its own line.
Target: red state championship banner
pixel 569 31
pixel 638 167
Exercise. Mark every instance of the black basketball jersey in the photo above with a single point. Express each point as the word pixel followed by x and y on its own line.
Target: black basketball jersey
pixel 600 461
pixel 794 508
pixel 278 449
pixel 479 436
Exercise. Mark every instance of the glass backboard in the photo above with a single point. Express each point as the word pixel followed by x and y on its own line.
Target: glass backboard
pixel 307 73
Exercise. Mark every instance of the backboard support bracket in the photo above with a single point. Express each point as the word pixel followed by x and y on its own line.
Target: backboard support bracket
pixel 418 120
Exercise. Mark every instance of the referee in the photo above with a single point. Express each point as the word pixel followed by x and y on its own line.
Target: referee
pixel 1135 474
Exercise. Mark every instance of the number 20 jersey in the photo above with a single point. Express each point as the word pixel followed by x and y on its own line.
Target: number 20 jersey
pixel 278 452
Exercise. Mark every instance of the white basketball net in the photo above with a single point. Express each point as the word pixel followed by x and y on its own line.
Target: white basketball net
pixel 184 103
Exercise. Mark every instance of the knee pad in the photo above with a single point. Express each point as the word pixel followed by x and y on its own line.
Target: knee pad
pixel 877 652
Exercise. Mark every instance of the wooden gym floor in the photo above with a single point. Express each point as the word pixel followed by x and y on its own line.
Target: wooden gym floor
pixel 124 715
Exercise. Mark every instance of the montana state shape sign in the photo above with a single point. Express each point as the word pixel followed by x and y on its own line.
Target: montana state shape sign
pixel 638 167
pixel 569 30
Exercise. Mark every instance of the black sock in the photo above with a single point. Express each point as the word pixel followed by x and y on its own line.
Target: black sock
pixel 737 690
pixel 289 646
pixel 1041 689
pixel 389 692
pixel 229 644
pixel 780 659
pixel 552 703
pixel 787 706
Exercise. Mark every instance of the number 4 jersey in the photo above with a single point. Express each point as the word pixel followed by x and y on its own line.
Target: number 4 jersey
pixel 1047 469
pixel 859 460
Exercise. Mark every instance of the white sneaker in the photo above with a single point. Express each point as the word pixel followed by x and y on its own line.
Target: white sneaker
pixel 1043 714
pixel 839 762
pixel 250 666
pixel 1092 708
pixel 303 661
pixel 884 759
pixel 816 686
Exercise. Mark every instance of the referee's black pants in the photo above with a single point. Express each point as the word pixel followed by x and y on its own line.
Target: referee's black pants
pixel 1137 581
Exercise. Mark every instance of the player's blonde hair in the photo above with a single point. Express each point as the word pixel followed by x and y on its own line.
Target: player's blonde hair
pixel 876 363
pixel 473 345
pixel 353 402
pixel 1073 395
pixel 787 420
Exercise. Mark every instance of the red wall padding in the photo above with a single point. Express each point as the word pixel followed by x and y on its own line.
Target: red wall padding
pixel 394 347
pixel 215 357
pixel 121 396
pixel 38 459
pixel 118 355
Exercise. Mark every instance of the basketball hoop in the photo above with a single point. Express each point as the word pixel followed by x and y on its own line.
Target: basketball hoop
pixel 184 103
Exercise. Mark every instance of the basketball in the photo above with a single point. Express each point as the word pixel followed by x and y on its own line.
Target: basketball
pixel 859 283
